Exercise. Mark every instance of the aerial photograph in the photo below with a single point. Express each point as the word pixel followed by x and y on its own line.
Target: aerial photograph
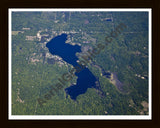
pixel 71 62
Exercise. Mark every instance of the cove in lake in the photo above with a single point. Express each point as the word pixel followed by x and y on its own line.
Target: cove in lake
pixel 67 52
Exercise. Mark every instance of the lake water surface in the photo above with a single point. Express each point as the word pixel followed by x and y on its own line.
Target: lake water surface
pixel 67 52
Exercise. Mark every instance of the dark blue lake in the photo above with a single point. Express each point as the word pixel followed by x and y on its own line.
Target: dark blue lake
pixel 67 52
